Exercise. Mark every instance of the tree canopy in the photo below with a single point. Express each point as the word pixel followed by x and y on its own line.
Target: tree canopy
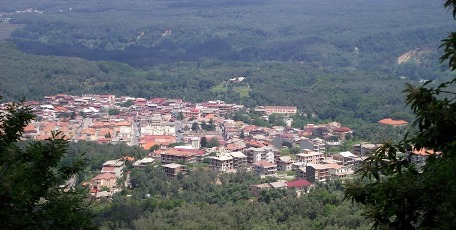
pixel 31 191
pixel 399 194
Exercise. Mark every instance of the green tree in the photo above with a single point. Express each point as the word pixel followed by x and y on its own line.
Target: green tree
pixel 30 192
pixel 113 111
pixel 213 142
pixel 195 126
pixel 203 142
pixel 242 135
pixel 128 103
pixel 154 147
pixel 396 193
pixel 180 116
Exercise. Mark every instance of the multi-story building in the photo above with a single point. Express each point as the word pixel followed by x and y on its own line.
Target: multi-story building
pixel 364 149
pixel 177 155
pixel 317 172
pixel 285 163
pixel 228 161
pixel 345 158
pixel 323 172
pixel 173 169
pixel 277 109
pixel 255 155
pixel 239 160
pixel 310 157
pixel 222 163
pixel 264 168
pixel 340 172
pixel 114 166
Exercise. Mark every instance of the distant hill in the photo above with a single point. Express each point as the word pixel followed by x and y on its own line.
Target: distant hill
pixel 339 95
pixel 146 33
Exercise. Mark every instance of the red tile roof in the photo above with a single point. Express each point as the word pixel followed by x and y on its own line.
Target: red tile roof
pixel 265 164
pixel 341 130
pixel 389 121
pixel 195 151
pixel 105 176
pixel 423 152
pixel 298 183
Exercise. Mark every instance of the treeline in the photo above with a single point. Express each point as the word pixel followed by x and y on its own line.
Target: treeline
pixel 329 35
pixel 344 96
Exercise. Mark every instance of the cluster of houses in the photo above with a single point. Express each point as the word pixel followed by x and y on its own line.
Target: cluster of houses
pixel 157 123
pixel 108 180
pixel 106 183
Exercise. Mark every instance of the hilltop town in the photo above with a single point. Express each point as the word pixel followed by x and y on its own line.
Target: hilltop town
pixel 179 133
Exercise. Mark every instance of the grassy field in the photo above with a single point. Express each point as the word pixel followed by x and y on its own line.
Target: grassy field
pixel 243 91
pixel 6 29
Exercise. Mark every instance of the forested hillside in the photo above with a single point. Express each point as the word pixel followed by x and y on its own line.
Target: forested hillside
pixel 341 95
pixel 334 58
pixel 327 34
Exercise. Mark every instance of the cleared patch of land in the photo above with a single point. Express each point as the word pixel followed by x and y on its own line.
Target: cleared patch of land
pixel 243 91
pixel 6 29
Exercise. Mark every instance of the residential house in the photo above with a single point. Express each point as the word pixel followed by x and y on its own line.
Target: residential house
pixel 363 149
pixel 340 172
pixel 104 180
pixel 301 172
pixel 299 185
pixel 419 157
pixel 255 189
pixel 281 184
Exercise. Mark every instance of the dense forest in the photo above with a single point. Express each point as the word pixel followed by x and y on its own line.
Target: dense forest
pixel 328 34
pixel 334 59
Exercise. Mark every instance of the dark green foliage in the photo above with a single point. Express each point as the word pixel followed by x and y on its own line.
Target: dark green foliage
pixel 30 192
pixel 400 195
pixel 114 111
pixel 205 200
pixel 208 127
pixel 203 142
pixel 285 213
pixel 195 126
pixel 213 142
pixel 154 147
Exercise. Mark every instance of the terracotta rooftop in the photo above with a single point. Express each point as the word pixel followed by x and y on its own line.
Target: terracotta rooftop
pixel 389 121
pixel 105 176
pixel 298 183
pixel 423 152
pixel 265 164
